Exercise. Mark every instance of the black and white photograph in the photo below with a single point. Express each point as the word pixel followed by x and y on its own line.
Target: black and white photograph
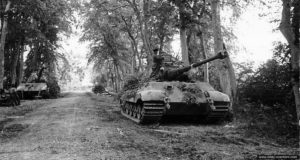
pixel 149 80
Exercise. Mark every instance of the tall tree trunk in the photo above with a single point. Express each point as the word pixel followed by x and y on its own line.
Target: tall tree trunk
pixel 203 49
pixel 184 48
pixel 21 66
pixel 2 44
pixel 295 78
pixel 140 60
pixel 226 71
pixel 13 69
pixel 109 74
pixel 291 33
pixel 134 46
pixel 15 62
pixel 119 77
pixel 161 43
pixel 183 33
pixel 142 22
pixel 133 59
pixel 40 74
pixel 146 33
pixel 116 78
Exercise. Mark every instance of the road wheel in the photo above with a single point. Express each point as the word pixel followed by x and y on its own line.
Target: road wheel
pixel 127 108
pixel 140 113
pixel 132 110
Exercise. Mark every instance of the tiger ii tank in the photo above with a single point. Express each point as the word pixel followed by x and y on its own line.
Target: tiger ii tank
pixel 171 93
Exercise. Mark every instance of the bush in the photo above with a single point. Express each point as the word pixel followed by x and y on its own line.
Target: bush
pixel 131 82
pixel 274 122
pixel 266 99
pixel 54 89
pixel 131 85
pixel 269 85
pixel 98 89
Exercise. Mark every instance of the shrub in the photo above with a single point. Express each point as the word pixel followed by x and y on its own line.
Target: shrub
pixel 98 89
pixel 266 98
pixel 131 85
pixel 275 122
pixel 54 89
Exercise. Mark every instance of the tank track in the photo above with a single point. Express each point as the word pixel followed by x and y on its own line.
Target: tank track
pixel 215 116
pixel 143 113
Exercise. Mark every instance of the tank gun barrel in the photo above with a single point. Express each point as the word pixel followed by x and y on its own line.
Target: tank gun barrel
pixel 220 55
pixel 172 74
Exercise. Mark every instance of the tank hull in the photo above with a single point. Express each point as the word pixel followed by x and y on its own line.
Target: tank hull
pixel 157 99
pixel 32 90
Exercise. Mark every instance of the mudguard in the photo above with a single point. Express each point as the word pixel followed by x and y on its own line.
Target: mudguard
pixel 218 96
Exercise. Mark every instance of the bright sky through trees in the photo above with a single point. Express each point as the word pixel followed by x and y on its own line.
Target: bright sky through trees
pixel 76 52
pixel 255 35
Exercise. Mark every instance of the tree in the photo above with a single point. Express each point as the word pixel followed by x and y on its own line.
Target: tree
pixel 289 27
pixel 107 27
pixel 226 71
pixel 143 24
pixel 51 19
pixel 139 25
pixel 184 17
pixel 269 85
pixel 2 42
pixel 34 25
pixel 143 20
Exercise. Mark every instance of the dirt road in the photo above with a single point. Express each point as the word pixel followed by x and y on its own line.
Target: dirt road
pixel 83 126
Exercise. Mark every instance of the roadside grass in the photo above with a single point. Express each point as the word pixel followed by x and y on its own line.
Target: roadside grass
pixel 8 115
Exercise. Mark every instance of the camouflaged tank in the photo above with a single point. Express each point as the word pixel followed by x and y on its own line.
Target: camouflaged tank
pixel 32 90
pixel 170 93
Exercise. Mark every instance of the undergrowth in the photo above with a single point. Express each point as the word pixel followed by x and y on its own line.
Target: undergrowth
pixel 272 122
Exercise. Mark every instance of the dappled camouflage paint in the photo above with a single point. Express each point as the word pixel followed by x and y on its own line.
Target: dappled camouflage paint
pixel 199 96
pixel 173 93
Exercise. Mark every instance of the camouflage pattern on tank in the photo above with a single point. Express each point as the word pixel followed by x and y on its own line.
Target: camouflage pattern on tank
pixel 171 95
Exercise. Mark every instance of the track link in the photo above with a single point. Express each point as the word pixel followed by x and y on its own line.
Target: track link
pixel 143 113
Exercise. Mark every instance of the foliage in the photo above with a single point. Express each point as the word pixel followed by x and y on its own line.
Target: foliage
pixel 35 26
pixel 123 33
pixel 54 89
pixel 43 44
pixel 214 79
pixel 109 51
pixel 274 122
pixel 266 98
pixel 100 79
pixel 98 89
pixel 270 84
pixel 132 84
pixel 191 93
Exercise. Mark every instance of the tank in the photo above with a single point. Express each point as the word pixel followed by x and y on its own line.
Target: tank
pixel 171 93
pixel 32 90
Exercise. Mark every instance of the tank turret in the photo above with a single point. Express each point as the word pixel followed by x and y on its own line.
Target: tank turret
pixel 174 74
